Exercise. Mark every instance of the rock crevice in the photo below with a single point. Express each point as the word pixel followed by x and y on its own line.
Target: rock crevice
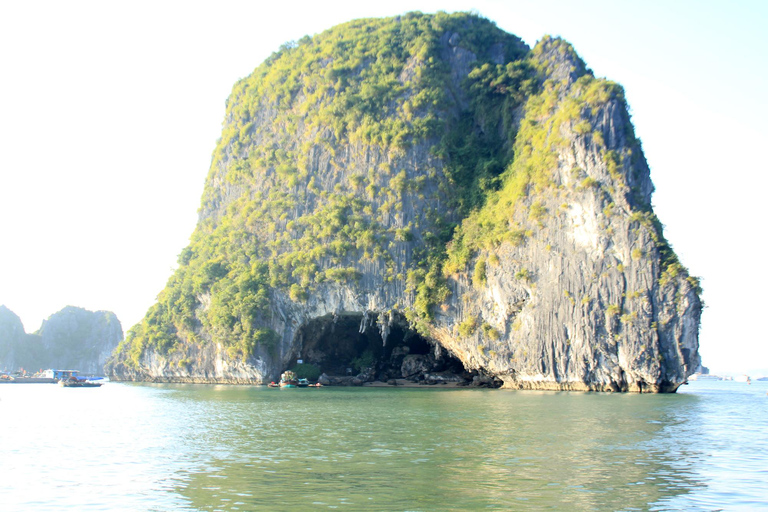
pixel 481 201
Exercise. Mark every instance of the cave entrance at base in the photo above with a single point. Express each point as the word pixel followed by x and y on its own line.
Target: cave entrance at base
pixel 336 345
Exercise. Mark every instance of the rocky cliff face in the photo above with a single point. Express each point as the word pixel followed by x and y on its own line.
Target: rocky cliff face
pixel 12 336
pixel 589 296
pixel 80 339
pixel 425 188
pixel 73 338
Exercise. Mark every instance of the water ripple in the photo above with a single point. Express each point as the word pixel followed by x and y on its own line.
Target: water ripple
pixel 153 447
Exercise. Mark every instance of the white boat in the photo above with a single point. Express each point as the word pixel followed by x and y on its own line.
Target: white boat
pixel 704 376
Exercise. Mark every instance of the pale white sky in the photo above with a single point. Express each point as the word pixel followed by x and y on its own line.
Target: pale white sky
pixel 110 111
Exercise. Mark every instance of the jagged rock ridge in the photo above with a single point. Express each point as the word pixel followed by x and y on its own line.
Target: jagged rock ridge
pixel 433 174
pixel 73 338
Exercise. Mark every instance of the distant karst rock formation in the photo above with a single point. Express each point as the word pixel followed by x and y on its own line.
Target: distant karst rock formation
pixel 12 337
pixel 73 338
pixel 425 185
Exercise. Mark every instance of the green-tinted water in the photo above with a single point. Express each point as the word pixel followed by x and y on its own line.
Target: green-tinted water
pixel 144 447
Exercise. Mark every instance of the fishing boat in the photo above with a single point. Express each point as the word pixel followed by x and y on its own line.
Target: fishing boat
pixel 303 383
pixel 288 380
pixel 43 377
pixel 79 382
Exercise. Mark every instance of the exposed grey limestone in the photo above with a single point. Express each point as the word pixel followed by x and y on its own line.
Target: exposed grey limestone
pixel 415 365
pixel 582 303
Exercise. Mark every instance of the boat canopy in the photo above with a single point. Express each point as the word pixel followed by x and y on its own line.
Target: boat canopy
pixel 60 374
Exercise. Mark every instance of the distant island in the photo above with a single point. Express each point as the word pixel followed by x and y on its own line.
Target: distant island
pixel 425 197
pixel 73 338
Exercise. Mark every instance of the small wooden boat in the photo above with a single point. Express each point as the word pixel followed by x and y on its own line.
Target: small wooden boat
pixel 288 380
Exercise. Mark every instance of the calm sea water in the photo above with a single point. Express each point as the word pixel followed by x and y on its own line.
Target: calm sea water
pixel 194 447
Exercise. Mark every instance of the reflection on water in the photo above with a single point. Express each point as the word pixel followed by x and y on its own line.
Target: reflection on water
pixel 428 449
pixel 177 447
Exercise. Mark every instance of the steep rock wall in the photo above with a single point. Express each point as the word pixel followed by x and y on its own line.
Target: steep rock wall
pixel 75 338
pixel 590 296
pixel 12 337
pixel 504 212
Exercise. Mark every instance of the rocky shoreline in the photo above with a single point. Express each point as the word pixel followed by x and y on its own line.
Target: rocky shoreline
pixel 444 379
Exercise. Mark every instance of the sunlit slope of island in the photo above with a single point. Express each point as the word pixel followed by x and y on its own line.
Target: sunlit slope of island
pixel 425 181
pixel 73 338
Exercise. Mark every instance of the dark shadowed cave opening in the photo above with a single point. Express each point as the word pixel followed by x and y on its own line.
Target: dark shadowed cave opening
pixel 352 345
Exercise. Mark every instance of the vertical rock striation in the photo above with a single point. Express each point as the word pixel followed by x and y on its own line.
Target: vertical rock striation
pixel 433 173
pixel 588 295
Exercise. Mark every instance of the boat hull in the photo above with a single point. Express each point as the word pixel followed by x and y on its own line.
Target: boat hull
pixel 67 384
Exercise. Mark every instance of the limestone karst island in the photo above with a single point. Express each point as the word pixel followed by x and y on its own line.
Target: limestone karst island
pixel 71 338
pixel 425 197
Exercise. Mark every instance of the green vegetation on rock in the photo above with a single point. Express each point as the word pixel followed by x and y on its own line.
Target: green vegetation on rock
pixel 383 152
